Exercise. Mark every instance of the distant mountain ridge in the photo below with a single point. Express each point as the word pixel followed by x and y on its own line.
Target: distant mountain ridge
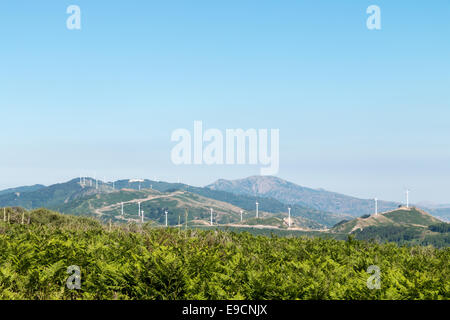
pixel 22 189
pixel 50 196
pixel 274 195
pixel 154 203
pixel 290 193
pixel 103 200
pixel 73 197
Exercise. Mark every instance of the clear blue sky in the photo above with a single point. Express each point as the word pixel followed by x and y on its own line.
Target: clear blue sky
pixel 361 112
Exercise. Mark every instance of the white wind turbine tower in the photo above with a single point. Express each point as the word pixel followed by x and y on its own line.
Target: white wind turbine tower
pixel 122 208
pixel 166 218
pixel 136 180
pixel 142 216
pixel 289 209
pixel 257 209
pixel 407 198
pixel 376 206
pixel 139 209
pixel 241 214
pixel 212 216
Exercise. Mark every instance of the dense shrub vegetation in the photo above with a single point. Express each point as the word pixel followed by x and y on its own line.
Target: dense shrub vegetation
pixel 440 227
pixel 141 262
pixel 405 235
pixel 388 233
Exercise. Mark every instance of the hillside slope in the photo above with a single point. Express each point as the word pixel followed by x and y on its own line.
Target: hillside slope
pixel 406 217
pixel 154 204
pixel 290 193
pixel 244 201
pixel 22 189
pixel 52 196
pixel 69 197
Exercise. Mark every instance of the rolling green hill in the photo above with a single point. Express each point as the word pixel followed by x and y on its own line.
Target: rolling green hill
pixel 403 226
pixel 244 201
pixel 272 194
pixel 22 189
pixel 154 203
pixel 83 199
pixel 406 217
pixel 271 205
pixel 51 196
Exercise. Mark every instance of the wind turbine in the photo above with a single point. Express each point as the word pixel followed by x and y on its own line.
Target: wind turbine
pixel 142 216
pixel 139 209
pixel 166 218
pixel 407 198
pixel 241 215
pixel 212 216
pixel 122 208
pixel 376 206
pixel 136 180
pixel 257 210
pixel 289 209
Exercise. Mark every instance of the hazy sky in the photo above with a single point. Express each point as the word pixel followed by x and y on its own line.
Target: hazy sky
pixel 362 112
